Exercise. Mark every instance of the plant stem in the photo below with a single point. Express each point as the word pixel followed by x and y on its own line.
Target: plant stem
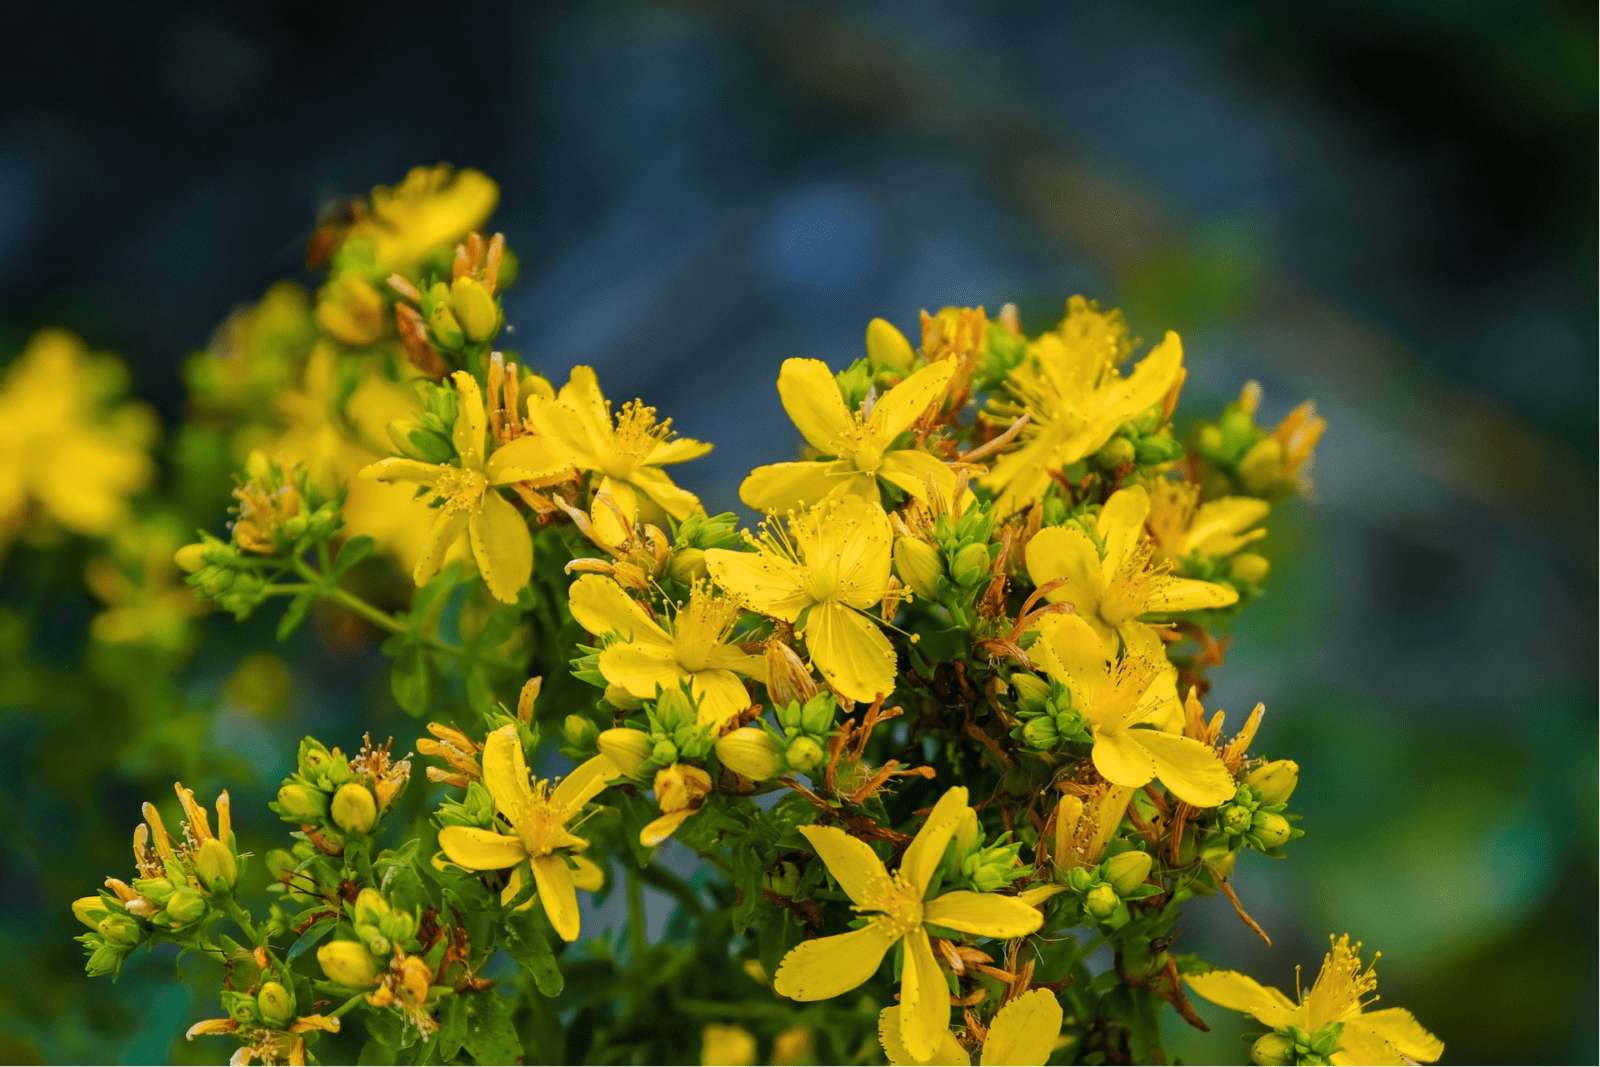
pixel 636 939
pixel 239 916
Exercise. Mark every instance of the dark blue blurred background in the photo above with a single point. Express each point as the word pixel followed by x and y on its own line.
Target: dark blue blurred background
pixel 1388 207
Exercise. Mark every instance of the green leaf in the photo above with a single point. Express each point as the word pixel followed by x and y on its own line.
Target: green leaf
pixel 410 681
pixel 296 614
pixel 314 933
pixel 352 552
pixel 452 1026
pixel 527 945
pixel 490 1036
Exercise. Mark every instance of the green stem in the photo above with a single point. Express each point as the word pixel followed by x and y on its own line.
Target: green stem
pixel 239 916
pixel 636 939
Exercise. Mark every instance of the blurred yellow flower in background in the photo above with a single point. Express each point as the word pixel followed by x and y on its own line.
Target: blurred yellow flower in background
pixel 146 598
pixel 1021 1034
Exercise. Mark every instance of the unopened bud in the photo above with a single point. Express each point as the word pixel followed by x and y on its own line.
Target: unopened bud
pixel 686 565
pixel 1101 901
pixel 1272 830
pixel 627 749
pixel 1040 732
pixel 354 810
pixel 817 716
pixel 1249 567
pixel 1235 818
pixel 446 330
pixel 618 697
pixel 370 907
pixel 1272 1050
pixel 474 308
pixel 681 786
pixel 81 908
pixel 1274 783
pixel 580 731
pixel 191 558
pixel 968 832
pixel 664 752
pixel 803 755
pixel 185 906
pixel 1157 448
pixel 1031 688
pixel 302 802
pixel 750 751
pixel 348 964
pixel 675 708
pixel 919 566
pixel 276 1005
pixel 1117 452
pixel 788 678
pixel 1068 813
pixel 971 564
pixel 215 862
pixel 1261 469
pixel 782 880
pixel 1127 871
pixel 888 347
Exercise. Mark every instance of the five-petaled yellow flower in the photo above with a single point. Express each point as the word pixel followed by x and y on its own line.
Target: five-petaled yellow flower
pixel 1180 525
pixel 1123 701
pixel 1112 589
pixel 628 452
pixel 832 568
pixel 858 448
pixel 897 913
pixel 1075 398
pixel 1386 1036
pixel 467 498
pixel 1022 1034
pixel 432 207
pixel 538 818
pixel 692 648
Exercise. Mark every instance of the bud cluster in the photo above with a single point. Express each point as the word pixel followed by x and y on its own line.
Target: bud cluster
pixel 333 796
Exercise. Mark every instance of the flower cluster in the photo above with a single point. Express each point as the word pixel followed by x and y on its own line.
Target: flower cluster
pixel 934 725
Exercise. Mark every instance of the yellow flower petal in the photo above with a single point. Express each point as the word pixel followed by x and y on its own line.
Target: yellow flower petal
pixel 1362 1047
pixel 1066 552
pixel 587 875
pixel 639 667
pixel 828 966
pixel 811 397
pixel 780 487
pixel 850 651
pixel 580 416
pixel 1071 652
pixel 851 540
pixel 583 784
pixel 1240 992
pixel 481 850
pixel 677 450
pixel 528 457
pixel 558 894
pixel 1121 524
pixel 502 546
pixel 1193 771
pixel 1024 1032
pixel 910 470
pixel 949 1051
pixel 1189 594
pixel 471 421
pixel 442 534
pixel 924 997
pixel 1121 759
pixel 514 888
pixel 396 469
pixel 762 581
pixel 1218 525
pixel 601 606
pixel 505 772
pixel 1401 1029
pixel 659 486
pixel 851 861
pixel 926 850
pixel 721 696
pixel 899 408
pixel 659 829
pixel 984 914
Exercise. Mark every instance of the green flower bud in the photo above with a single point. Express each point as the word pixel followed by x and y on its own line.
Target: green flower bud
pixel 442 321
pixel 1235 818
pixel 1117 452
pixel 919 566
pixel 664 752
pixel 676 709
pixel 1271 830
pixel 241 1007
pixel 686 565
pixel 1101 901
pixel 314 758
pixel 619 697
pixel 888 347
pixel 1261 469
pixel 580 731
pixel 818 714
pixel 191 558
pixel 159 890
pixel 120 930
pixel 1209 442
pixel 782 880
pixel 1031 688
pixel 1157 448
pixel 1274 782
pixel 1272 1050
pixel 83 906
pixel 1127 871
pixel 399 926
pixel 750 751
pixel 1040 732
pixel 803 755
pixel 971 564
pixel 379 945
pixel 370 907
pixel 1249 567
pixel 215 862
pixel 474 308
pixel 302 802
pixel 354 810
pixel 186 906
pixel 628 749
pixel 276 1005
pixel 348 964
pixel 280 862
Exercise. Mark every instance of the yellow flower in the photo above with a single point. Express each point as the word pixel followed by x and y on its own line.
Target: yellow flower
pixel 832 568
pixel 627 452
pixel 1119 700
pixel 1180 525
pixel 468 501
pixel 143 590
pixel 679 790
pixel 858 448
pixel 1069 386
pixel 1387 1036
pixel 1023 1033
pixel 829 966
pixel 64 457
pixel 1111 589
pixel 432 208
pixel 692 648
pixel 538 817
pixel 726 1045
